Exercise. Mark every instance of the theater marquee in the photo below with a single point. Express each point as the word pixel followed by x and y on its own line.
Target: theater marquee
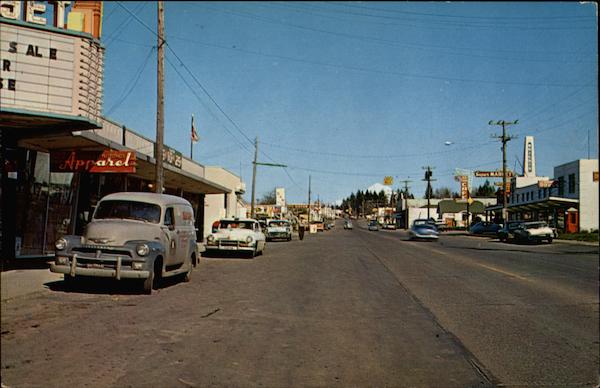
pixel 50 72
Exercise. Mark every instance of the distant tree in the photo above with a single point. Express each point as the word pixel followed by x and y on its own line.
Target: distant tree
pixel 485 190
pixel 382 198
pixel 442 192
pixel 268 198
pixel 428 192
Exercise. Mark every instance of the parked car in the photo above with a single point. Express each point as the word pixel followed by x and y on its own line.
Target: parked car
pixel 390 226
pixel 484 227
pixel 348 224
pixel 279 229
pixel 423 229
pixel 237 234
pixel 439 224
pixel 132 236
pixel 507 231
pixel 534 231
pixel 373 225
pixel 320 225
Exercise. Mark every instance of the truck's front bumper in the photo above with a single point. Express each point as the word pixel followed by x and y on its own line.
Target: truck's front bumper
pixel 103 268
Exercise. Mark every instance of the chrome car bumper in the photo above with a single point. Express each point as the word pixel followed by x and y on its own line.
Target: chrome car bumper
pixel 113 269
pixel 229 246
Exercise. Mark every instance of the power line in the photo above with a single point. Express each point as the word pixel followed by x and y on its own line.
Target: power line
pixel 133 84
pixel 295 7
pixel 386 72
pixel 191 74
pixel 395 156
pixel 124 24
pixel 239 143
pixel 524 18
pixel 201 86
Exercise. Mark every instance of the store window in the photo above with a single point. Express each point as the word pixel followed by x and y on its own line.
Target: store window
pixel 561 185
pixel 571 183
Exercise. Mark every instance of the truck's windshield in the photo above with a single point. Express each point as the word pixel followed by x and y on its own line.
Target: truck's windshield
pixel 121 209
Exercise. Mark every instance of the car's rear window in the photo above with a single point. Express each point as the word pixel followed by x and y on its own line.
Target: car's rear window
pixel 278 223
pixel 131 210
pixel 228 224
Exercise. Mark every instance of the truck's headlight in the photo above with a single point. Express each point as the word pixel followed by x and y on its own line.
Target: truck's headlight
pixel 249 239
pixel 60 244
pixel 142 249
pixel 210 238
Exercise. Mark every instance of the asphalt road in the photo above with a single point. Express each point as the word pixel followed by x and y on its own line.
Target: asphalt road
pixel 341 308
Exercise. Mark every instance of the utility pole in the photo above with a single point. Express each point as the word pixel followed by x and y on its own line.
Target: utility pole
pixel 256 163
pixel 504 139
pixel 254 176
pixel 406 182
pixel 428 174
pixel 308 200
pixel 160 103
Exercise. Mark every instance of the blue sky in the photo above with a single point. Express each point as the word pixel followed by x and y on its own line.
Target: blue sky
pixel 349 92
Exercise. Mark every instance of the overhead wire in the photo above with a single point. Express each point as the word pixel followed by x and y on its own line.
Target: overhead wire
pixel 191 74
pixel 404 22
pixel 121 27
pixel 524 18
pixel 128 89
pixel 239 143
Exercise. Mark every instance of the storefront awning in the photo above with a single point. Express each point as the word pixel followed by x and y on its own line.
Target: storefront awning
pixel 89 141
pixel 541 205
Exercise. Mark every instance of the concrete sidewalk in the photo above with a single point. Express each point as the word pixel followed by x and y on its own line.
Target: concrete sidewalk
pixel 492 237
pixel 20 282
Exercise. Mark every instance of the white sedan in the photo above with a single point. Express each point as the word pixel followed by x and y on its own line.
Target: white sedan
pixel 534 231
pixel 237 234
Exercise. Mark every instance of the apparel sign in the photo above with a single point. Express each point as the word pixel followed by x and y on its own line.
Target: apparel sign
pixel 109 161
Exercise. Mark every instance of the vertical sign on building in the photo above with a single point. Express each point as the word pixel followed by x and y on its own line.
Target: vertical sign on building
pixel 280 196
pixel 529 157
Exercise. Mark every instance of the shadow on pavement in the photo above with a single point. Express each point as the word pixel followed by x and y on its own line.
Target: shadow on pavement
pixel 227 255
pixel 41 262
pixel 107 286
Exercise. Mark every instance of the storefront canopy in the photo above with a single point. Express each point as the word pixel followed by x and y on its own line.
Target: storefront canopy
pixel 540 205
pixel 145 169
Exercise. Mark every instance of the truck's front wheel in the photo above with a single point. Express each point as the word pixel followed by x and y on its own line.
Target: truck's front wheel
pixel 148 283
pixel 153 280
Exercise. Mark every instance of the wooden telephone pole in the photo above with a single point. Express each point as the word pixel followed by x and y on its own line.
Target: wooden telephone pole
pixel 256 163
pixel 428 174
pixel 406 182
pixel 160 103
pixel 504 139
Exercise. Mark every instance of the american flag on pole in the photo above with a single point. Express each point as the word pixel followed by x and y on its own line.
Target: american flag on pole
pixel 194 135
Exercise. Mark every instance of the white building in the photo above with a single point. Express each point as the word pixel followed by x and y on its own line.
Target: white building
pixel 578 180
pixel 568 201
pixel 230 204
